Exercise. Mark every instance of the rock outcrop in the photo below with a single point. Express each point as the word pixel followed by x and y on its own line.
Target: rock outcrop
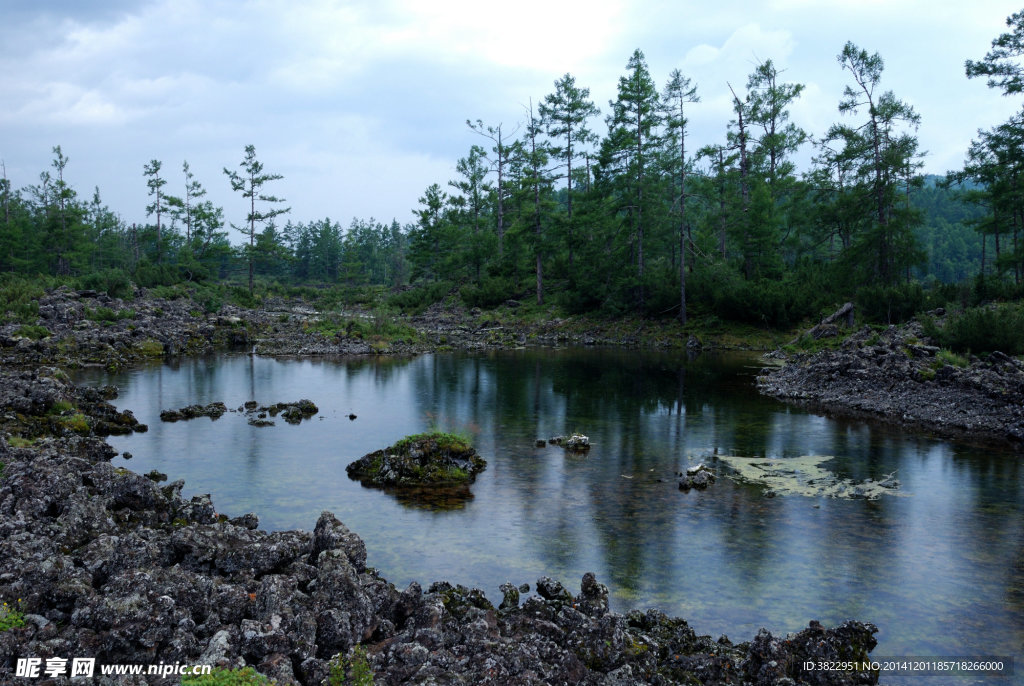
pixel 898 375
pixel 422 460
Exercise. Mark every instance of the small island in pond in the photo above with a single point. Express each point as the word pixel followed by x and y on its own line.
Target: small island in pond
pixel 433 458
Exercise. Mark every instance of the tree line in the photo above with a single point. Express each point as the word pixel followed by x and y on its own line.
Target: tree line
pixel 634 221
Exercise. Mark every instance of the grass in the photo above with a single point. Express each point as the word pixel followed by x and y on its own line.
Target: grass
pixel 11 617
pixel 61 407
pixel 451 442
pixel 32 331
pixel 106 314
pixel 150 348
pixel 246 676
pixel 19 442
pixel 948 357
pixel 77 422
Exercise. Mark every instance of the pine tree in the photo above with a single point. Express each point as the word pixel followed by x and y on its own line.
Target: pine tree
pixel 250 183
pixel 155 185
pixel 565 113
pixel 887 158
pixel 679 92
pixel 632 143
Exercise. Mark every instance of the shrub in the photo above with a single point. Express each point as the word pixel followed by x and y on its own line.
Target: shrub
pixel 491 291
pixel 354 669
pixel 105 314
pixel 113 282
pixel 415 300
pixel 890 304
pixel 239 295
pixel 31 331
pixel 150 275
pixel 980 330
pixel 20 298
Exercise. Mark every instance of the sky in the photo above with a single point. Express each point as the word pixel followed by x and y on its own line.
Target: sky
pixel 362 105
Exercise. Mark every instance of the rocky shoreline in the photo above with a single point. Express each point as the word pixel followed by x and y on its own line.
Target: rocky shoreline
pixel 899 376
pixel 106 563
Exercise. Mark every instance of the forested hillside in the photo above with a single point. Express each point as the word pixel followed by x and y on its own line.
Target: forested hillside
pixel 633 220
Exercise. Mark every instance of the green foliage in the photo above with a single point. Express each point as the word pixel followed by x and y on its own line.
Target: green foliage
pixel 150 275
pixel 446 441
pixel 106 314
pixel 353 670
pixel 11 616
pixel 61 407
pixel 890 304
pixel 243 298
pixel 415 300
pixel 20 442
pixel 113 282
pixel 491 291
pixel 767 302
pixel 19 298
pixel 150 348
pixel 32 331
pixel 246 676
pixel 948 357
pixel 212 304
pixel 980 330
pixel 76 422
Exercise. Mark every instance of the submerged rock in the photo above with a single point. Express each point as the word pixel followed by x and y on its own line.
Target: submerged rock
pixel 293 412
pixel 576 443
pixel 699 477
pixel 213 411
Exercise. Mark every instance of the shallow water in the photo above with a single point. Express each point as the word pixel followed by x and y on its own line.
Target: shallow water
pixel 938 566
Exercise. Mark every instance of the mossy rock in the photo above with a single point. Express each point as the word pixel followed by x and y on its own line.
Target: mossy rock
pixel 433 458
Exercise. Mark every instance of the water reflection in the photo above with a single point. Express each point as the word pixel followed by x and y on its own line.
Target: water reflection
pixel 941 571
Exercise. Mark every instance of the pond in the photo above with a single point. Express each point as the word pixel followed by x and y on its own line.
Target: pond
pixel 937 562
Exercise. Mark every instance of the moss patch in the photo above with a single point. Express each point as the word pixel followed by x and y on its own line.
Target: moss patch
pixel 433 458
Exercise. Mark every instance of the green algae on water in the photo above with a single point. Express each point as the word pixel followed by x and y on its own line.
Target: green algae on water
pixel 805 475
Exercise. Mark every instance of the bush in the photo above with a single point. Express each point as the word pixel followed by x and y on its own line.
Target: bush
pixel 113 282
pixel 490 292
pixel 105 314
pixel 31 331
pixel 890 304
pixel 980 330
pixel 763 303
pixel 239 295
pixel 150 275
pixel 19 298
pixel 354 669
pixel 415 300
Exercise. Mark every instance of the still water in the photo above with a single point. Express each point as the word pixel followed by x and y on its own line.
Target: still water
pixel 938 565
